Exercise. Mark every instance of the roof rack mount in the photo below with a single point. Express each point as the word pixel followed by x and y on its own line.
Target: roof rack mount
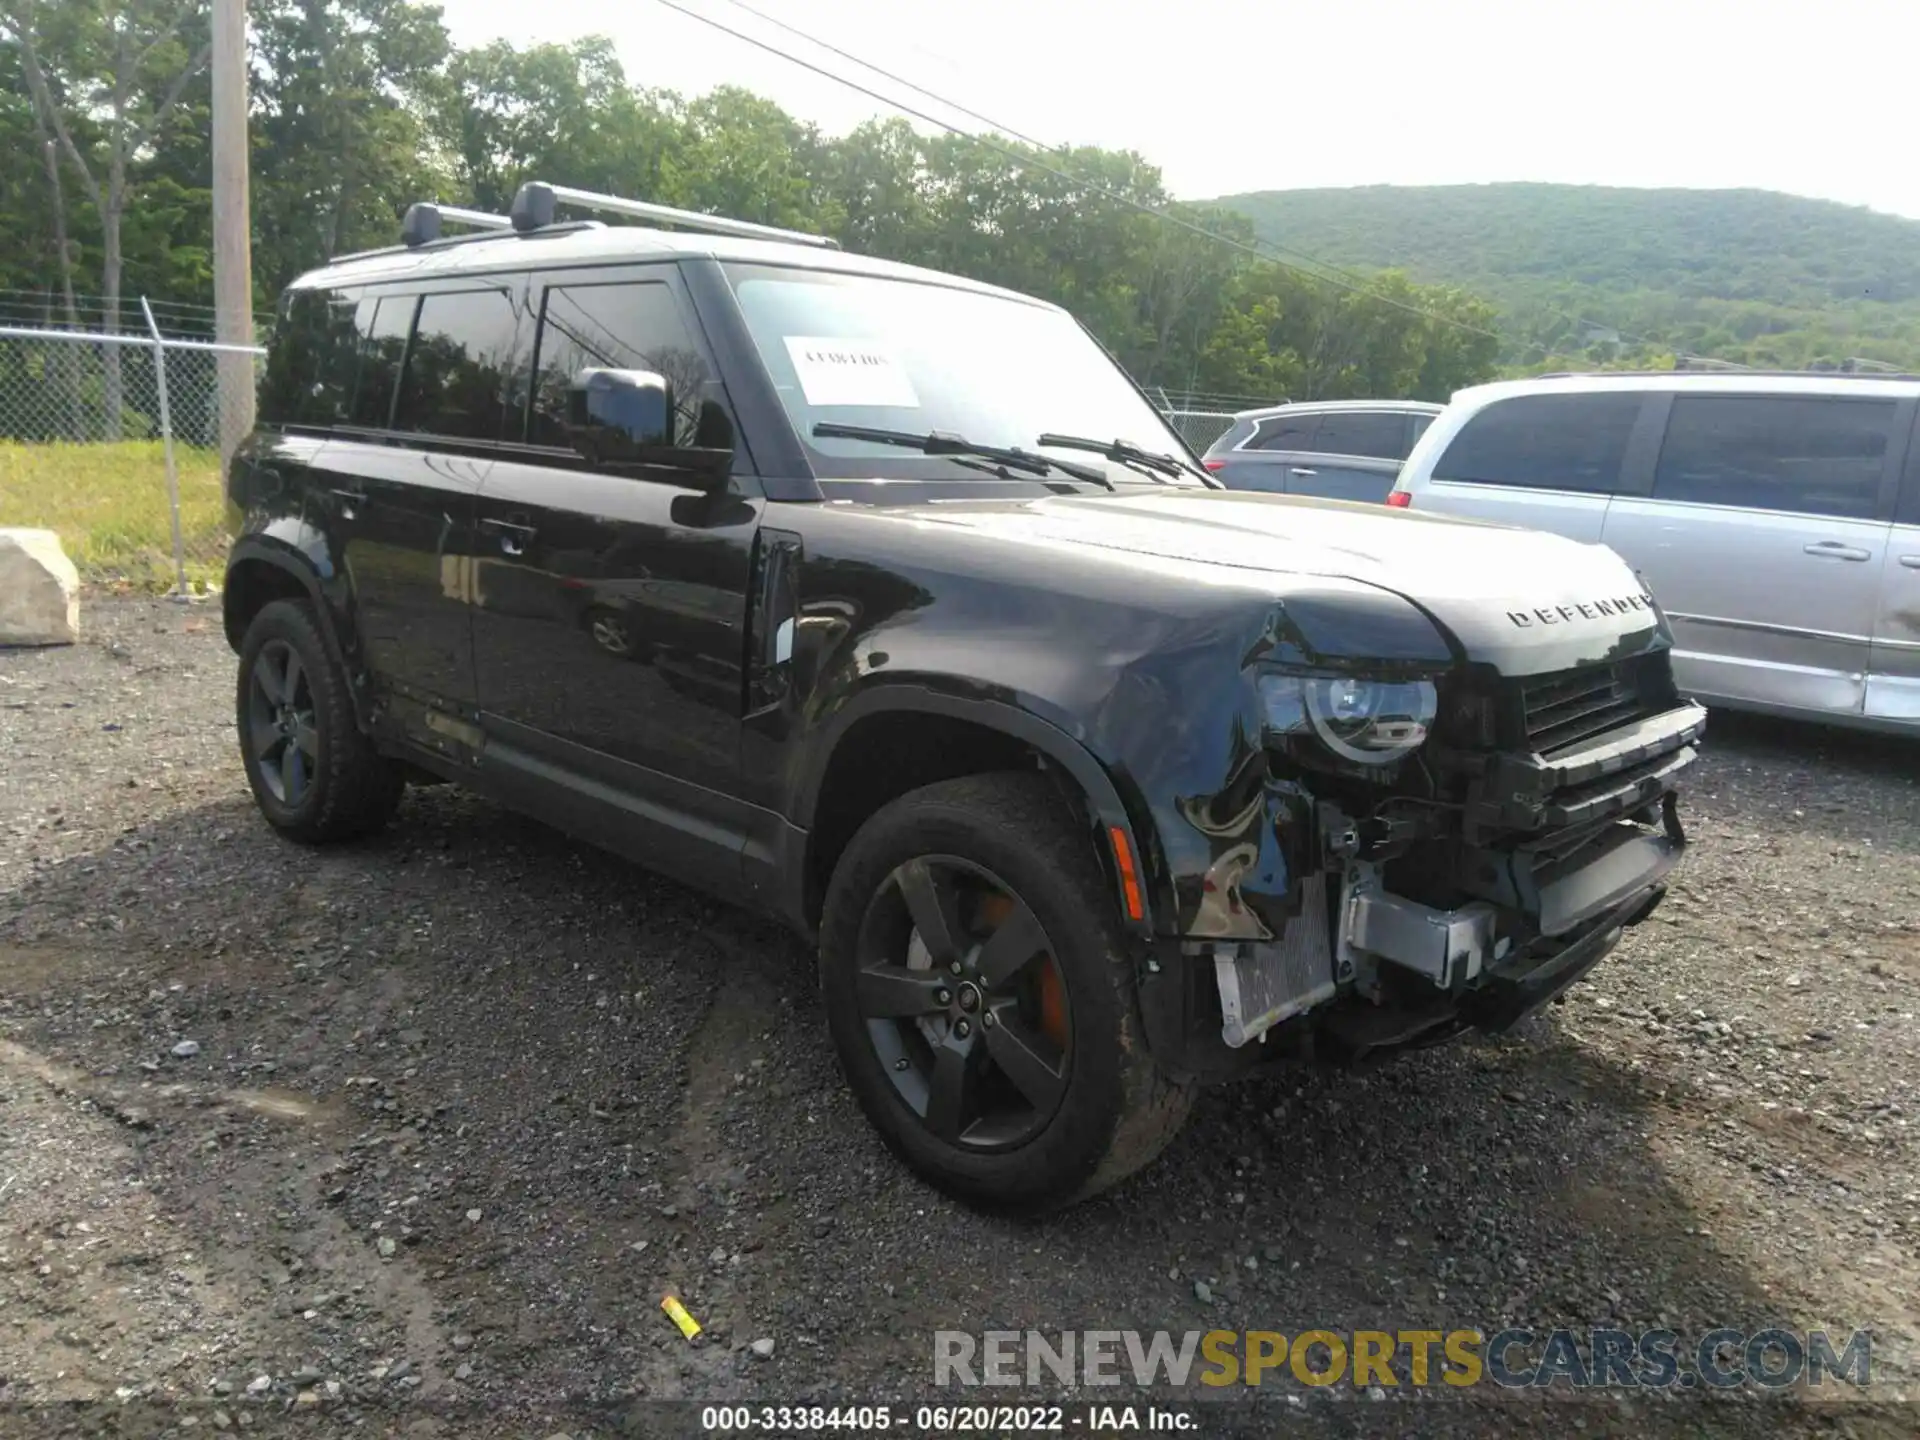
pixel 424 219
pixel 536 203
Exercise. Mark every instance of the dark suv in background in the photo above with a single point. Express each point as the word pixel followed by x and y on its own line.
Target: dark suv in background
pixel 883 602
pixel 1335 449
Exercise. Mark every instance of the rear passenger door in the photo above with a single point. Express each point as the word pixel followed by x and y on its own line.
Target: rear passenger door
pixel 1262 461
pixel 1764 538
pixel 400 480
pixel 1893 682
pixel 1548 462
pixel 1356 455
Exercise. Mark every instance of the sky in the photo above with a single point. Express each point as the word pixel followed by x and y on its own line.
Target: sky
pixel 1813 97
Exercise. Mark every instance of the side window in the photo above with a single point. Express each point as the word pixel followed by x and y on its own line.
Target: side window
pixel 620 325
pixel 310 365
pixel 456 381
pixel 386 347
pixel 1380 434
pixel 1286 432
pixel 1546 442
pixel 1910 495
pixel 1813 456
pixel 1417 424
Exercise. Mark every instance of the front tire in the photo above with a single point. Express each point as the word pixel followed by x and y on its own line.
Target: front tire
pixel 982 1001
pixel 314 775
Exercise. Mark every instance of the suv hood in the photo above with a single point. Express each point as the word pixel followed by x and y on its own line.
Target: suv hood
pixel 1520 600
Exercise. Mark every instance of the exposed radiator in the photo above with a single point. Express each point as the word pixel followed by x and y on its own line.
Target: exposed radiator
pixel 1263 984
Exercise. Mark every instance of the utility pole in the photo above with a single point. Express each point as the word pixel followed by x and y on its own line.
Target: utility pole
pixel 232 223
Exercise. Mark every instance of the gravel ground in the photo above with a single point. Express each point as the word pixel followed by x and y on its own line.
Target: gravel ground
pixel 416 1133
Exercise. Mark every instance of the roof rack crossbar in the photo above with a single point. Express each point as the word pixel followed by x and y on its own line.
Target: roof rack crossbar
pixel 424 219
pixel 535 204
pixel 567 227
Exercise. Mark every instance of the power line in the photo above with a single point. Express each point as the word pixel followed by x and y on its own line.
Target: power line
pixel 1082 183
pixel 1354 282
pixel 1359 281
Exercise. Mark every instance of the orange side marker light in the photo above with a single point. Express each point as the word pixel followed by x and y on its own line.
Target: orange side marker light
pixel 1129 877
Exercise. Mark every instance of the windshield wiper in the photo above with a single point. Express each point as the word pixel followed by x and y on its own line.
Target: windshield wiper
pixel 938 442
pixel 1121 452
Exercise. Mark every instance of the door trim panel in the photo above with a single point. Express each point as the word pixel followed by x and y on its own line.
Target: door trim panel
pixel 680 829
pixel 1763 627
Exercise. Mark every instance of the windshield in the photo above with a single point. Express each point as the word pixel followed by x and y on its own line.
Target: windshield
pixel 902 355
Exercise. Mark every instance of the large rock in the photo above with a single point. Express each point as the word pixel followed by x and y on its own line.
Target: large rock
pixel 39 590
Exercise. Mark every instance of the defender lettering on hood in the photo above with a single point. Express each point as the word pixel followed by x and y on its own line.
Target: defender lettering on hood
pixel 1589 610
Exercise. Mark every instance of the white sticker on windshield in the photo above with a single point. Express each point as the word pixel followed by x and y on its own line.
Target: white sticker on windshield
pixel 836 371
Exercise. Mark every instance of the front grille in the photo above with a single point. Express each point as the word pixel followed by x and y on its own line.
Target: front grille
pixel 1565 709
pixel 1527 758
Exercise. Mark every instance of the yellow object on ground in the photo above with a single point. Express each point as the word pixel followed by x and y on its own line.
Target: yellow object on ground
pixel 677 1313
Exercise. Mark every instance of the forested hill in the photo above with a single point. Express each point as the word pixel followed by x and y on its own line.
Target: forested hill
pixel 1745 274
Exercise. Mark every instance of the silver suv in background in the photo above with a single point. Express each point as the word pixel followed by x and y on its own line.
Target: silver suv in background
pixel 1335 449
pixel 1776 519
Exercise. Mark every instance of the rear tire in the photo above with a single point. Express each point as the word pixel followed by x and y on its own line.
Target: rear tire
pixel 314 775
pixel 1018 1084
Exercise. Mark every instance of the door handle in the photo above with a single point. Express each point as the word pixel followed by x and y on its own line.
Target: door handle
pixel 1303 470
pixel 349 501
pixel 1837 550
pixel 1912 562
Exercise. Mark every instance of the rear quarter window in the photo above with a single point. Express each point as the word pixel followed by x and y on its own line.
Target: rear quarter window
pixel 310 365
pixel 1286 432
pixel 1235 435
pixel 1545 442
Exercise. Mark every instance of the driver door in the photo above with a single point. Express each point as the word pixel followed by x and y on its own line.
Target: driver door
pixel 610 612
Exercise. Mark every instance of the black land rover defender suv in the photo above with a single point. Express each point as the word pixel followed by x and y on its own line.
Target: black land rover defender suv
pixel 884 602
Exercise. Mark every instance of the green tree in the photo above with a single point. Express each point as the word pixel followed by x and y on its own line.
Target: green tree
pixel 563 113
pixel 103 80
pixel 339 143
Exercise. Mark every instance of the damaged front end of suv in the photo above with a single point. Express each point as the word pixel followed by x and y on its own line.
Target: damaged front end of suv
pixel 1413 831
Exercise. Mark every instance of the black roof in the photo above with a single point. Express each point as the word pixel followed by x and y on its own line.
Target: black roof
pixel 583 244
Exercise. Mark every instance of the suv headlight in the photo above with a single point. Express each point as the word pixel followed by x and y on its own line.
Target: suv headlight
pixel 1361 721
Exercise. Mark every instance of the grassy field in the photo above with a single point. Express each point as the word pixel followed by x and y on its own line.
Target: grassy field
pixel 109 504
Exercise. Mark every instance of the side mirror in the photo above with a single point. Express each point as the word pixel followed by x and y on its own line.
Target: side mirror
pixel 625 420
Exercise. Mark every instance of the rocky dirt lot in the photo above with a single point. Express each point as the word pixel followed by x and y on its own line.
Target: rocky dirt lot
pixel 411 1137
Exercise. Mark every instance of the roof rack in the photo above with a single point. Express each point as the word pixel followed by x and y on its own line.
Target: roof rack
pixel 424 219
pixel 414 243
pixel 535 204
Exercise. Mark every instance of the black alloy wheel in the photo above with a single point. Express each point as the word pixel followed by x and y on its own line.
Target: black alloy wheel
pixel 963 1003
pixel 982 997
pixel 315 775
pixel 282 730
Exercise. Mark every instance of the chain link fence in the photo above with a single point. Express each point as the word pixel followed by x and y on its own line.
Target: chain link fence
pixel 1203 416
pixel 113 440
pixel 1199 428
